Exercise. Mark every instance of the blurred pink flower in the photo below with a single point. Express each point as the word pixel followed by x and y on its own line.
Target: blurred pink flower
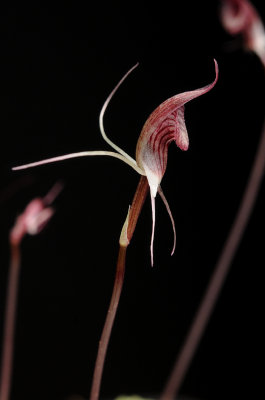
pixel 35 216
pixel 240 17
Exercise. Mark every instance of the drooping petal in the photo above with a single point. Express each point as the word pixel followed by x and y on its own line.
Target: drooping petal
pixel 153 223
pixel 170 216
pixel 153 229
pixel 165 124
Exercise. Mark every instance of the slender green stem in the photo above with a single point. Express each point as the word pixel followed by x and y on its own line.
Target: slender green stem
pixel 137 204
pixel 220 272
pixel 9 325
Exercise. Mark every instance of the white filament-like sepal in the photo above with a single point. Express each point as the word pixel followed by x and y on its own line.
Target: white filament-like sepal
pixel 81 154
pixel 102 112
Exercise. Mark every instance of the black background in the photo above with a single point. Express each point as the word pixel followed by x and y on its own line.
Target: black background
pixel 58 64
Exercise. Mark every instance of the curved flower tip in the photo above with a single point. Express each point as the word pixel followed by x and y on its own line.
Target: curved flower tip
pixel 240 17
pixel 164 125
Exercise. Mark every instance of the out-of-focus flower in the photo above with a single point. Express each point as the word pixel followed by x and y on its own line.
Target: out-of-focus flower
pixel 35 216
pixel 240 17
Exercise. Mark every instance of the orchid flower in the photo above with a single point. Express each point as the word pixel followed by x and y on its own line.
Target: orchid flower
pixel 165 124
pixel 240 17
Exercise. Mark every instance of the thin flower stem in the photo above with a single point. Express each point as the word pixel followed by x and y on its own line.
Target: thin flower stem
pixel 137 204
pixel 9 325
pixel 135 210
pixel 218 277
pixel 104 341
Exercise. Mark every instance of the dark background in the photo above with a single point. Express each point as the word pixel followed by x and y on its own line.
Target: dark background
pixel 58 64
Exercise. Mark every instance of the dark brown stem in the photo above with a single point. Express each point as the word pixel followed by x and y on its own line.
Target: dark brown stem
pixel 9 325
pixel 134 213
pixel 220 272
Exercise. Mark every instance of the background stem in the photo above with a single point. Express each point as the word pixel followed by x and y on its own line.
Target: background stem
pixel 220 272
pixel 9 325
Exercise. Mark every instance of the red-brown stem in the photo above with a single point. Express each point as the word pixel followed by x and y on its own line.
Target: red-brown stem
pixel 9 325
pixel 220 272
pixel 105 336
pixel 137 204
pixel 135 210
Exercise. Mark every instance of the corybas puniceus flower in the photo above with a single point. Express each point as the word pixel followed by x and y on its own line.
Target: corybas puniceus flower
pixel 164 125
pixel 240 17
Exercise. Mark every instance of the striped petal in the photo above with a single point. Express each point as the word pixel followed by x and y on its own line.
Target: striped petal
pixel 165 124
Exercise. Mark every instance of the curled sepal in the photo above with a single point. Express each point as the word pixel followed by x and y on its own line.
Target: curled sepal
pixel 164 125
